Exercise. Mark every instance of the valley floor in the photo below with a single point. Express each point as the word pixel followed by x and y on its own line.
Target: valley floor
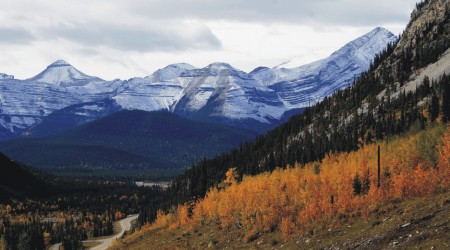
pixel 419 223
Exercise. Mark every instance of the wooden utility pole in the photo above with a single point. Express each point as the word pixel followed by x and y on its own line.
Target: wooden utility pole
pixel 379 167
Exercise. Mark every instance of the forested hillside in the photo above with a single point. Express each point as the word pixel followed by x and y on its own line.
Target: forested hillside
pixel 396 95
pixel 298 204
pixel 18 181
pixel 129 139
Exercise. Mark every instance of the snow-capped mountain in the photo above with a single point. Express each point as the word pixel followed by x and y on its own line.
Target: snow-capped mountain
pixel 217 92
pixel 23 103
pixel 63 74
pixel 222 93
pixel 158 91
pixel 305 85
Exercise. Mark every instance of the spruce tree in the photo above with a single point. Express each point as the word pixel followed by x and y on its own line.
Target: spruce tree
pixel 445 99
pixel 433 109
pixel 357 185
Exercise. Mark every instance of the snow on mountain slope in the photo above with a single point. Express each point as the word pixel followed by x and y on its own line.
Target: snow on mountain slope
pixel 144 94
pixel 63 74
pixel 217 92
pixel 157 91
pixel 305 85
pixel 270 76
pixel 171 72
pixel 24 102
pixel 204 83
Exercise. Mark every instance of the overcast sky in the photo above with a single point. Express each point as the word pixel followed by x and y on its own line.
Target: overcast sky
pixel 128 38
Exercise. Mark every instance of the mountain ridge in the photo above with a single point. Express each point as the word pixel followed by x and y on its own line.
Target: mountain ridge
pixel 216 93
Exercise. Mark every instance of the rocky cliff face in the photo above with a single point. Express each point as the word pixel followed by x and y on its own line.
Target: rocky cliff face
pixel 425 38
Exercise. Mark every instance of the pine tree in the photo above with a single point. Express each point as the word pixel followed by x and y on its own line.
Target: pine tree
pixel 445 109
pixel 433 109
pixel 357 185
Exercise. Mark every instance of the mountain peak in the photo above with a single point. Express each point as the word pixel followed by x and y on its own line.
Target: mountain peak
pixel 366 46
pixel 63 74
pixel 380 31
pixel 363 48
pixel 60 63
pixel 181 66
pixel 172 71
pixel 220 66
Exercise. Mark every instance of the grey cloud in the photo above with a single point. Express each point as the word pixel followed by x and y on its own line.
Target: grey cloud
pixel 15 36
pixel 332 12
pixel 146 39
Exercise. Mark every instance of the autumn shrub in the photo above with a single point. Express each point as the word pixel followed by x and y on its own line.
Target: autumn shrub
pixel 296 198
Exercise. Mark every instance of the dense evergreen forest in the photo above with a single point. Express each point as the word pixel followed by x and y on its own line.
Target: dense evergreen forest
pixel 376 106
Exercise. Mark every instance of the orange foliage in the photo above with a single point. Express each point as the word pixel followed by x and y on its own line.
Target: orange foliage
pixel 183 215
pixel 295 198
pixel 443 177
pixel 287 227
pixel 231 176
pixel 162 220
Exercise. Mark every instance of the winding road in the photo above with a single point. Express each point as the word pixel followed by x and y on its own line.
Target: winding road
pixel 105 242
pixel 125 225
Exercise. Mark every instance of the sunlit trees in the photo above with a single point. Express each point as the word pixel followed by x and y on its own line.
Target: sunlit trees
pixel 295 198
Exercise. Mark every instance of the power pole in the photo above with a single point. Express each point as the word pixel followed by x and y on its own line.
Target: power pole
pixel 379 167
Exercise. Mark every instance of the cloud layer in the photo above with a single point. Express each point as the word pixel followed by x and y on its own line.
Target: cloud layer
pixel 115 38
pixel 132 38
pixel 318 12
pixel 13 35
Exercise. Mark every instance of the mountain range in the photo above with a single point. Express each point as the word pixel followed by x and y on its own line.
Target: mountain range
pixel 61 97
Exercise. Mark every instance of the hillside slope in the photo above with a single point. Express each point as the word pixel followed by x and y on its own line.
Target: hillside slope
pixel 395 97
pixel 17 181
pixel 420 223
pixel 337 202
pixel 129 140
